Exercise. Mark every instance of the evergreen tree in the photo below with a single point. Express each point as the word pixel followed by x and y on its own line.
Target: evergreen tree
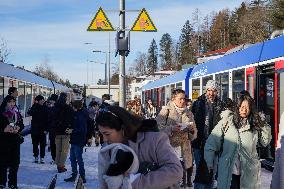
pixel 277 16
pixel 166 49
pixel 186 51
pixel 152 58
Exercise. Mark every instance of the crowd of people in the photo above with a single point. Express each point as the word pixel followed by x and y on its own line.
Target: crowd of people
pixel 140 146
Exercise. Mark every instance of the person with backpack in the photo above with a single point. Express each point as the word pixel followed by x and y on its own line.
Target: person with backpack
pixel 159 167
pixel 178 123
pixel 235 139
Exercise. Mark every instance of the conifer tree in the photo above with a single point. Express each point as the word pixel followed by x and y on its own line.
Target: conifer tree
pixel 166 49
pixel 152 58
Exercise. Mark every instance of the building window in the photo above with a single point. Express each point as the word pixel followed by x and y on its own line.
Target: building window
pixel 179 85
pixel 223 82
pixel 238 83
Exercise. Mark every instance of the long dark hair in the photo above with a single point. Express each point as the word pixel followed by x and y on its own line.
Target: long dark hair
pixel 253 117
pixel 4 103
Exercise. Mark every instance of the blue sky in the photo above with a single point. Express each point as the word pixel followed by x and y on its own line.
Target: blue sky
pixel 56 29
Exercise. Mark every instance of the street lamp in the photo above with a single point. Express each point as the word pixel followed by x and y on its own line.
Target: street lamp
pixel 92 67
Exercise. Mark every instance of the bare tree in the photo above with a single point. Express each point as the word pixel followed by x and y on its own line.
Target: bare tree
pixel 46 71
pixel 4 51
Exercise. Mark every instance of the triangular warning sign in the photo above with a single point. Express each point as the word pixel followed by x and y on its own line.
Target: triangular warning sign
pixel 144 23
pixel 100 22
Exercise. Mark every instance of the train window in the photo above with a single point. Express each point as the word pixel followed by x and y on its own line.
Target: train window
pixel 162 96
pixel 223 81
pixel 28 96
pixel 1 89
pixel 195 89
pixel 179 85
pixel 204 82
pixel 168 94
pixel 35 91
pixel 238 83
pixel 21 96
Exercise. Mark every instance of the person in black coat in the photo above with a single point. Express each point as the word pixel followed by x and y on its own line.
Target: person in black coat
pixel 51 124
pixel 38 127
pixel 11 125
pixel 64 116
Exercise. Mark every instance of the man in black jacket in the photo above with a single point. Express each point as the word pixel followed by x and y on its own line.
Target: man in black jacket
pixel 206 109
pixel 38 127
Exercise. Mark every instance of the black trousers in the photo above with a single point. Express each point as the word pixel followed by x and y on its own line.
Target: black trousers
pixel 235 183
pixel 52 146
pixel 39 140
pixel 12 176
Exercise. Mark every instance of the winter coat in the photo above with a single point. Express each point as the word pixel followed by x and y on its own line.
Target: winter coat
pixel 241 141
pixel 277 181
pixel 39 122
pixel 64 118
pixel 79 133
pixel 9 143
pixel 106 157
pixel 155 147
pixel 182 138
pixel 198 110
pixel 51 120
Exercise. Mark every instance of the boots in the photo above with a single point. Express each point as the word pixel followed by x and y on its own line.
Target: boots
pixel 61 169
pixel 72 178
pixel 188 176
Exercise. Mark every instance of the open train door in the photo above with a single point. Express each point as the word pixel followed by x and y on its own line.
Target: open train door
pixel 279 100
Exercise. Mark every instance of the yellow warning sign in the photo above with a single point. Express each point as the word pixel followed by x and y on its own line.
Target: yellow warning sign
pixel 100 22
pixel 144 23
pixel 195 95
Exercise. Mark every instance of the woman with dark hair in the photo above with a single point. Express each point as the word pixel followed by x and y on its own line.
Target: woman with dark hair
pixel 235 139
pixel 11 125
pixel 159 166
pixel 150 110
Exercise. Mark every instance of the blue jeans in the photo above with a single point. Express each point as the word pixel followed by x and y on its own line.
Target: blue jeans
pixel 197 157
pixel 76 157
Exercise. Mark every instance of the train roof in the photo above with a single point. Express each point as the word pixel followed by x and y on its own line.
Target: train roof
pixel 174 78
pixel 7 70
pixel 258 52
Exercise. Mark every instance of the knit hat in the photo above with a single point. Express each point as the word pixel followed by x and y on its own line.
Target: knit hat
pixel 212 84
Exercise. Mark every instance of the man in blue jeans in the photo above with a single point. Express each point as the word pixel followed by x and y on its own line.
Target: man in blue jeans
pixel 78 140
pixel 206 110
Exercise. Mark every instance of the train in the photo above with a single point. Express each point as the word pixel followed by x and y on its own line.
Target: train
pixel 258 68
pixel 29 86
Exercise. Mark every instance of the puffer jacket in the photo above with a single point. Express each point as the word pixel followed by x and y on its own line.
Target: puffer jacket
pixel 198 110
pixel 167 119
pixel 241 141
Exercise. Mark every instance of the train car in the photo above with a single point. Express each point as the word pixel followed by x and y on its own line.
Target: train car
pixel 258 68
pixel 160 90
pixel 29 86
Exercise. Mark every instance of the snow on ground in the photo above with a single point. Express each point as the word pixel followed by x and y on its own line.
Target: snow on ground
pixel 38 176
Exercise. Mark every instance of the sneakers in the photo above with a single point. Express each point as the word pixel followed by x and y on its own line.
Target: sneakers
pixel 36 160
pixel 41 160
pixel 72 178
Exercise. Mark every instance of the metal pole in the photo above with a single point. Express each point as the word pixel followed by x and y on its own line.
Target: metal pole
pixel 106 70
pixel 122 89
pixel 109 63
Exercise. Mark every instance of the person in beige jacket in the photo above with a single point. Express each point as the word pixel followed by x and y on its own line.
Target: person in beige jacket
pixel 178 123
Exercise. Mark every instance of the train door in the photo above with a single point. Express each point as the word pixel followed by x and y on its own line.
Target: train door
pixel 251 81
pixel 265 94
pixel 279 100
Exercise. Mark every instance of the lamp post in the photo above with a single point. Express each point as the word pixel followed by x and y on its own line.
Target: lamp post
pixel 96 63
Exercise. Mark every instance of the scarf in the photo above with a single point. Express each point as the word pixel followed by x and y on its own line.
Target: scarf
pixel 179 110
